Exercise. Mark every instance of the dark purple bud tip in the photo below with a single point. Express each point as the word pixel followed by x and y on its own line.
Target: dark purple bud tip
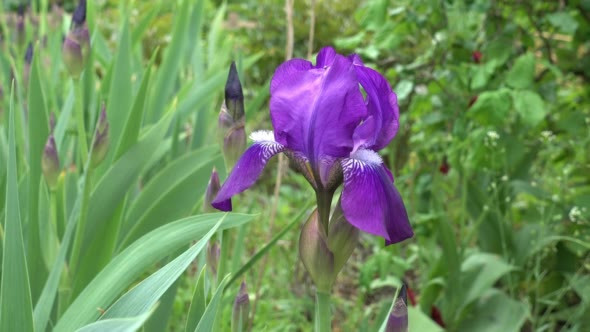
pixel 29 54
pixel 234 97
pixel 398 317
pixel 403 294
pixel 240 310
pixel 79 15
pixel 50 162
pixel 233 86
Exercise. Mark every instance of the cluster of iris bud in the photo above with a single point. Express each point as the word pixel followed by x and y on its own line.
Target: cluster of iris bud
pixel 75 51
pixel 76 45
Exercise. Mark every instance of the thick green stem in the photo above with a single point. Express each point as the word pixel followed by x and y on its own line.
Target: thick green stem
pixel 323 316
pixel 324 200
pixel 79 109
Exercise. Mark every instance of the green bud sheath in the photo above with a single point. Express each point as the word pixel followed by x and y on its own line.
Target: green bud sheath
pixel 101 139
pixel 316 255
pixel 342 239
pixel 72 56
pixel 50 163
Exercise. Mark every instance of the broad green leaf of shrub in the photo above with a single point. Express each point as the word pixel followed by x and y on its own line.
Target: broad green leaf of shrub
pixel 564 22
pixel 530 106
pixel 418 321
pixel 480 272
pixel 492 107
pixel 522 73
pixel 495 312
pixel 403 89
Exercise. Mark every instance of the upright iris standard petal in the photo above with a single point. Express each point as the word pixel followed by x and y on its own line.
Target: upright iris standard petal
pixel 315 109
pixel 248 168
pixel 370 201
pixel 382 121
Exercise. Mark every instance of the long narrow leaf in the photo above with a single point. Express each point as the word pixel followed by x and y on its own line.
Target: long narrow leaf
pixel 128 324
pixel 16 308
pixel 38 131
pixel 198 303
pixel 171 194
pixel 207 321
pixel 139 299
pixel 126 267
pixel 108 193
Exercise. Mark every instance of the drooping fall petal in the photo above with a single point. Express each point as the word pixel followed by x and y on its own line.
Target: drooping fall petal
pixel 370 201
pixel 248 168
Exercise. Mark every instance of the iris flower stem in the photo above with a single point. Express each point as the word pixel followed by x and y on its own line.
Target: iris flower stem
pixel 323 316
pixel 79 109
pixel 324 200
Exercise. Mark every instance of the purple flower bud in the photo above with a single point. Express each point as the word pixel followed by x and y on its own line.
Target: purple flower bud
pixel 213 253
pixel 234 97
pixel 398 317
pixel 240 310
pixel 50 163
pixel 232 119
pixel 212 190
pixel 316 255
pixel 79 15
pixel 27 65
pixel 101 140
pixel 82 36
pixel 29 54
pixel 20 33
pixel 342 238
pixel 76 47
pixel 72 56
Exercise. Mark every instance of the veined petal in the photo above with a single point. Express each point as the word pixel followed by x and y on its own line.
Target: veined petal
pixel 370 201
pixel 248 168
pixel 382 121
pixel 325 57
pixel 315 109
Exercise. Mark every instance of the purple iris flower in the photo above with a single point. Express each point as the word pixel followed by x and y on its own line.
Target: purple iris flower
pixel 332 133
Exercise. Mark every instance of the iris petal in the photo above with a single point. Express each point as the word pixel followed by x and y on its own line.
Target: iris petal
pixel 247 169
pixel 382 121
pixel 370 201
pixel 315 110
